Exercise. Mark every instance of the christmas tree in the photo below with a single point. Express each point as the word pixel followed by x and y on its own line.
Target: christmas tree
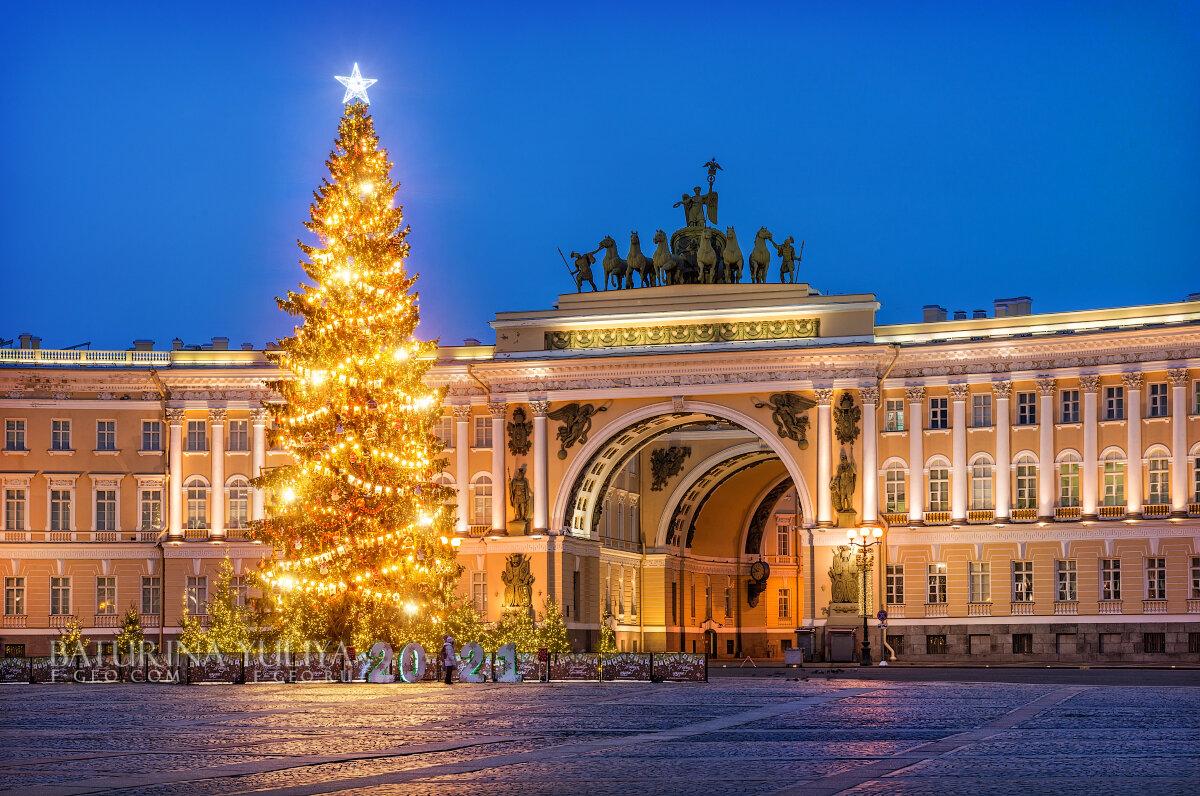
pixel 358 525
pixel 228 620
pixel 552 632
pixel 131 641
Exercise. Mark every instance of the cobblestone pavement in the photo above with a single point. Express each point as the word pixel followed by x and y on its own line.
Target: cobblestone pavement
pixel 810 735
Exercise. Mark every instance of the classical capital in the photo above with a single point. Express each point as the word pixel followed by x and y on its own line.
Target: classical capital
pixel 824 395
pixel 915 393
pixel 1089 382
pixel 462 412
pixel 1132 380
pixel 869 394
pixel 497 408
pixel 1178 376
pixel 960 392
pixel 217 415
pixel 260 416
pixel 1046 385
pixel 1002 389
pixel 540 408
pixel 175 416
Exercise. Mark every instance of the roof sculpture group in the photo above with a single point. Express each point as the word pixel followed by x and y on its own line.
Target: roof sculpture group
pixel 696 254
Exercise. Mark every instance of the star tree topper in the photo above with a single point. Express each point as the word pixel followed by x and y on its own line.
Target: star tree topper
pixel 356 85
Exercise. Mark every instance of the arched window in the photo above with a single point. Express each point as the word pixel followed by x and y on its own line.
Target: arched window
pixel 981 484
pixel 1158 479
pixel 1114 479
pixel 1026 482
pixel 895 499
pixel 195 492
pixel 481 500
pixel 939 486
pixel 238 495
pixel 1068 481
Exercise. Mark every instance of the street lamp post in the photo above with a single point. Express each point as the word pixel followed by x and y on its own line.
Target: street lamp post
pixel 864 539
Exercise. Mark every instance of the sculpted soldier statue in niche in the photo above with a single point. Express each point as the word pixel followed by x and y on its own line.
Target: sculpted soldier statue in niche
pixel 841 486
pixel 520 495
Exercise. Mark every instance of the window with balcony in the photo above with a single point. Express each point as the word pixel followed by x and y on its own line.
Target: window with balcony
pixel 197 594
pixel 1158 479
pixel 195 492
pixel 481 500
pixel 894 584
pixel 1026 482
pixel 14 596
pixel 106 509
pixel 785 610
pixel 893 489
pixel 60 596
pixel 60 509
pixel 979 581
pixel 981 485
pixel 1067 577
pixel 151 595
pixel 237 495
pixel 936 580
pixel 106 595
pixel 1114 480
pixel 939 489
pixel 150 505
pixel 1156 578
pixel 1022 581
pixel 1110 579
pixel 15 509
pixel 1194 591
pixel 1068 481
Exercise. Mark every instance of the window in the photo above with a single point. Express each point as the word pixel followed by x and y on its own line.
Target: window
pixel 939 413
pixel 1026 482
pixel 1068 481
pixel 60 509
pixel 151 435
pixel 106 509
pixel 238 494
pixel 981 486
pixel 1156 405
pixel 979 581
pixel 106 595
pixel 481 501
pixel 935 644
pixel 896 642
pixel 576 596
pixel 238 432
pixel 14 435
pixel 14 509
pixel 1022 643
pixel 150 501
pixel 893 414
pixel 197 594
pixel 936 574
pixel 1026 408
pixel 1022 581
pixel 1158 476
pixel 981 410
pixel 1110 579
pixel 151 595
pixel 1067 582
pixel 443 429
pixel 60 435
pixel 1114 480
pixel 1114 403
pixel 483 431
pixel 894 584
pixel 1156 578
pixel 729 597
pixel 195 492
pixel 197 435
pixel 1195 590
pixel 1154 643
pixel 693 599
pixel 1069 401
pixel 939 489
pixel 14 596
pixel 782 533
pixel 1196 479
pixel 106 435
pixel 60 596
pixel 785 610
pixel 674 602
pixel 240 589
pixel 479 592
pixel 893 489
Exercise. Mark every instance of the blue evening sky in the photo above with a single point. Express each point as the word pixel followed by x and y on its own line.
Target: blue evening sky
pixel 161 157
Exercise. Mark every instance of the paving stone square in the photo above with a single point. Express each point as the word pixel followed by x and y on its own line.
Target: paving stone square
pixel 781 732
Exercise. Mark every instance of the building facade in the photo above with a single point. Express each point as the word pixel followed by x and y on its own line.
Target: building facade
pixel 696 455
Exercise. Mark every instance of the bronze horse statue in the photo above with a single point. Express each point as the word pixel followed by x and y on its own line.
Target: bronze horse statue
pixel 639 263
pixel 760 257
pixel 614 267
pixel 665 263
pixel 732 255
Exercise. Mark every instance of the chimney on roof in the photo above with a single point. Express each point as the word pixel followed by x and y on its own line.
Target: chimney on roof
pixel 176 344
pixel 934 313
pixel 143 345
pixel 247 346
pixel 1011 307
pixel 979 314
pixel 220 344
pixel 37 342
pixel 26 340
pixel 960 315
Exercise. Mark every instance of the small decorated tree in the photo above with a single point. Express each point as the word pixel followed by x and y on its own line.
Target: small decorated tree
pixel 552 632
pixel 131 641
pixel 192 638
pixel 515 627
pixel 71 643
pixel 228 619
pixel 608 639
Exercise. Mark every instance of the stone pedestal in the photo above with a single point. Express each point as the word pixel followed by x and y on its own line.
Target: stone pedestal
pixel 847 519
pixel 518 527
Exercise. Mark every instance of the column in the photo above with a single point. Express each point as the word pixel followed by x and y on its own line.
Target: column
pixel 1180 489
pixel 175 479
pixel 1133 443
pixel 870 462
pixel 1002 392
pixel 258 459
pixel 462 462
pixel 499 481
pixel 541 467
pixel 916 454
pixel 216 495
pixel 824 456
pixel 1046 466
pixel 1090 384
pixel 959 484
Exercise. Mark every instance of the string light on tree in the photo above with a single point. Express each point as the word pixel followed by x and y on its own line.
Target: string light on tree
pixel 362 540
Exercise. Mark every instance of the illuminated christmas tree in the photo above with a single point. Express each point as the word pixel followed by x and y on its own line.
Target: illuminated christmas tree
pixel 361 537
